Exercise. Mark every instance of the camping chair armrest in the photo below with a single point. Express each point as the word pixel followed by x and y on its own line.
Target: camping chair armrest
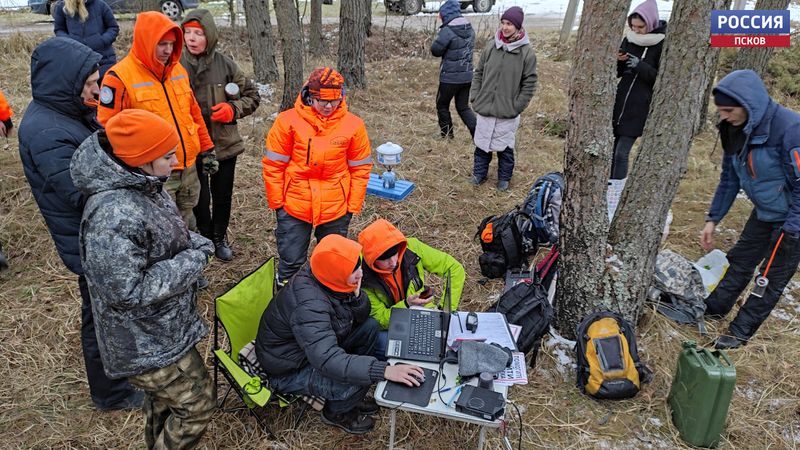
pixel 245 382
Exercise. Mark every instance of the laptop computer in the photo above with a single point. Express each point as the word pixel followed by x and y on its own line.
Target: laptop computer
pixel 420 334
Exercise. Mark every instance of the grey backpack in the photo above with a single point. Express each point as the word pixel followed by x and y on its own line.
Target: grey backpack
pixel 677 289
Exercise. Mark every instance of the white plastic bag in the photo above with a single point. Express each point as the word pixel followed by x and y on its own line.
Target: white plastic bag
pixel 712 268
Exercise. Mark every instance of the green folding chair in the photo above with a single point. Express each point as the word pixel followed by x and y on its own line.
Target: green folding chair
pixel 239 311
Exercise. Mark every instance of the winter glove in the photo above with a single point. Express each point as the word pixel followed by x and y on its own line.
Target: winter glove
pixel 222 113
pixel 208 162
pixel 632 61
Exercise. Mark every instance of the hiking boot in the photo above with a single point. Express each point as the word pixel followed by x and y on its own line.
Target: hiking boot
pixel 502 185
pixel 477 181
pixel 129 403
pixel 368 407
pixel 726 342
pixel 202 282
pixel 222 249
pixel 352 422
pixel 3 260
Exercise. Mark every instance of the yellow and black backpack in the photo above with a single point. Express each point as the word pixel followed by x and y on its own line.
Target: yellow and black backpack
pixel 608 361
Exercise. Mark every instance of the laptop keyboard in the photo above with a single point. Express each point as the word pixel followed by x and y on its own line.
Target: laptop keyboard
pixel 421 339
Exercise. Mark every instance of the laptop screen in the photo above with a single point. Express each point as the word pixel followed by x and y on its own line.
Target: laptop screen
pixel 448 309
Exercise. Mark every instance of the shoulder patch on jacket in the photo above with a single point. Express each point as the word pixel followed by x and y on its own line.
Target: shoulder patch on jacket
pixel 107 95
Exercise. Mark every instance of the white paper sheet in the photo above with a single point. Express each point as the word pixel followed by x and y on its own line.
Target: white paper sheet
pixel 492 328
pixel 517 373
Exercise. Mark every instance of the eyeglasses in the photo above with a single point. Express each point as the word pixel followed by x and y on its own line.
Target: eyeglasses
pixel 327 102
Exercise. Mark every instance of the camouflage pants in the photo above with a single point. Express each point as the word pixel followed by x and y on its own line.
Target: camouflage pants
pixel 184 188
pixel 180 400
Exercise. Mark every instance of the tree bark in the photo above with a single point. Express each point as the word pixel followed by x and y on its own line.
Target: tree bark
pixel 758 58
pixel 352 40
pixel 701 121
pixel 587 161
pixel 292 42
pixel 687 65
pixel 259 33
pixel 315 31
pixel 232 13
pixel 368 19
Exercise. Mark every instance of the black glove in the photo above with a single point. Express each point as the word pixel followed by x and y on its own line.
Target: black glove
pixel 632 61
pixel 208 162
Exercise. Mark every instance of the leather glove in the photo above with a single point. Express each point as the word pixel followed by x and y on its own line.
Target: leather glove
pixel 208 162
pixel 222 113
pixel 632 61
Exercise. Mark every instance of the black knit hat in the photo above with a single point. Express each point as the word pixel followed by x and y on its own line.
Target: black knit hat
pixel 721 99
pixel 389 253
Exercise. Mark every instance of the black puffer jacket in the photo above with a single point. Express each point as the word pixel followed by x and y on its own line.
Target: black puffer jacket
pixel 54 125
pixel 635 88
pixel 305 323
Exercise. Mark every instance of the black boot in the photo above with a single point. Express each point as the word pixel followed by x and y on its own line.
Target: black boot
pixel 352 422
pixel 729 341
pixel 222 249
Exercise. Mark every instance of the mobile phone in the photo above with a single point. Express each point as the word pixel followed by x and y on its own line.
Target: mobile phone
pixel 426 293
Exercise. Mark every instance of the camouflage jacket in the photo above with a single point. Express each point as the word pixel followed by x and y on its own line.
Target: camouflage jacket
pixel 141 264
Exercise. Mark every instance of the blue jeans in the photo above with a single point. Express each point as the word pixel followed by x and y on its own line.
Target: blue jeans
pixel 340 397
pixel 381 342
pixel 505 163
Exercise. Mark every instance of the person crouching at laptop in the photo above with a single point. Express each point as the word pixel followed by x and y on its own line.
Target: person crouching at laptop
pixel 316 335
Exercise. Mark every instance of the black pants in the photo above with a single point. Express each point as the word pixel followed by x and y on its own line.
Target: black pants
pixel 505 163
pixel 755 245
pixel 293 237
pixel 443 97
pixel 219 194
pixel 619 164
pixel 105 391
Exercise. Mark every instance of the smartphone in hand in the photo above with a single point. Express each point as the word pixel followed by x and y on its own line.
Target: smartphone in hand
pixel 426 293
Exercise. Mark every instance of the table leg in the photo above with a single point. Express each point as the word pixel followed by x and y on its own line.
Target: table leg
pixel 392 422
pixel 481 438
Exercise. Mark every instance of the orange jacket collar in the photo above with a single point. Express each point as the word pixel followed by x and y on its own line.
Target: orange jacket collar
pixel 150 27
pixel 315 119
pixel 379 237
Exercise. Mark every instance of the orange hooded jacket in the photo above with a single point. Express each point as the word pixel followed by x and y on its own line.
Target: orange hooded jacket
pixel 376 239
pixel 333 260
pixel 140 81
pixel 316 167
pixel 5 110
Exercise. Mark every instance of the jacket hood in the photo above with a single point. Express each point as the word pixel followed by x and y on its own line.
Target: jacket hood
pixel 333 260
pixel 449 11
pixel 511 46
pixel 206 20
pixel 149 29
pixel 378 237
pixel 93 170
pixel 59 69
pixel 648 9
pixel 746 87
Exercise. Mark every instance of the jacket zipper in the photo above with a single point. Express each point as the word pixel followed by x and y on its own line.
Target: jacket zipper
pixel 630 88
pixel 177 125
pixel 308 152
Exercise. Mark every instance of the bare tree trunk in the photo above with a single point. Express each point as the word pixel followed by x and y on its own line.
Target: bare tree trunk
pixel 587 161
pixel 701 121
pixel 315 30
pixel 232 13
pixel 352 40
pixel 368 19
pixel 757 58
pixel 292 42
pixel 687 65
pixel 259 32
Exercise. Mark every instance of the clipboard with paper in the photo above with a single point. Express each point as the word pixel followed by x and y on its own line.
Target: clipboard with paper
pixel 492 329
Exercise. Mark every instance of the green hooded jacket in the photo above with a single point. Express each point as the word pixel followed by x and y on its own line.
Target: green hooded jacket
pixel 208 74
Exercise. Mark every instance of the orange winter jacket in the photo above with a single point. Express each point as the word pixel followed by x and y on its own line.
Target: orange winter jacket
pixel 316 167
pixel 5 109
pixel 140 81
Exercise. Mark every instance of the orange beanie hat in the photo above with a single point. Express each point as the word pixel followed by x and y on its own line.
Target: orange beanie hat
pixel 333 260
pixel 139 137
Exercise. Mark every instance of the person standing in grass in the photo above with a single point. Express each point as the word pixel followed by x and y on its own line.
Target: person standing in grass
pixel 142 266
pixel 454 44
pixel 502 87
pixel 5 130
pixel 64 76
pixel 90 22
pixel 209 73
pixel 638 62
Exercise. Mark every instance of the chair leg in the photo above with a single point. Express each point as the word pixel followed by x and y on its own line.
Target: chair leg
pixel 225 397
pixel 300 415
pixel 263 424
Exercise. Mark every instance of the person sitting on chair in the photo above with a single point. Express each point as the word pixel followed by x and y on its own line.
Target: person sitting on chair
pixel 315 338
pixel 394 275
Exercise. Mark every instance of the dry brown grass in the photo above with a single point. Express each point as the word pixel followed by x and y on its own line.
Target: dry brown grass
pixel 44 399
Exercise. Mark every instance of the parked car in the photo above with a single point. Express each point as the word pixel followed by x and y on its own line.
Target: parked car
pixel 411 7
pixel 171 8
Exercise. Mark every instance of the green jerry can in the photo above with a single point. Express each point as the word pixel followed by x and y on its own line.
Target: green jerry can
pixel 701 393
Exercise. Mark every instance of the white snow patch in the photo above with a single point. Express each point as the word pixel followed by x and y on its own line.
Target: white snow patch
pixel 265 90
pixel 655 421
pixel 782 315
pixel 562 349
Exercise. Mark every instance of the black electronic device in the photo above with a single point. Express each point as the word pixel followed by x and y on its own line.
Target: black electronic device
pixel 472 322
pixel 480 402
pixel 417 395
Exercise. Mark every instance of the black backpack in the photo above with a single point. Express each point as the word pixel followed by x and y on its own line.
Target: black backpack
pixel 504 246
pixel 526 304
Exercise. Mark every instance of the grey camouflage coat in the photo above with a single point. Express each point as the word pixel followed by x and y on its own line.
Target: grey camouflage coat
pixel 141 264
